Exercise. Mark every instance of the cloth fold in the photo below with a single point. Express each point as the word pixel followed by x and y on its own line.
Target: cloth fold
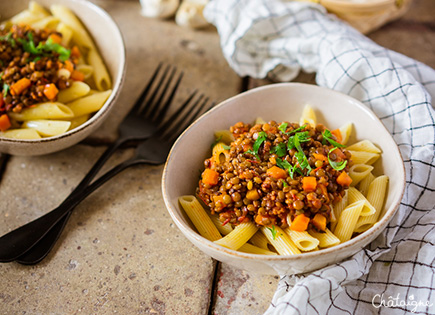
pixel 276 38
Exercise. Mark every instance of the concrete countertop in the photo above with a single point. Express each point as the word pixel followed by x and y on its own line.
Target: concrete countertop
pixel 121 252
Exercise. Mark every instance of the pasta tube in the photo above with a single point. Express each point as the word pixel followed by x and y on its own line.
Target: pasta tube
pixel 48 128
pixel 199 217
pixel 89 104
pixel 354 196
pixel 252 249
pixel 44 111
pixel 327 239
pixel 304 241
pixel 239 236
pixel 347 221
pixel 280 241
pixel 376 196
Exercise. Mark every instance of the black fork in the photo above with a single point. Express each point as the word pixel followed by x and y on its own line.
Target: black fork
pixel 139 124
pixel 152 151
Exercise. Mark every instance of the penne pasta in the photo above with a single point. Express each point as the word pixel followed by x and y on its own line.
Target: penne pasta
pixel 358 172
pixel 89 104
pixel 50 110
pixel 48 128
pixel 75 91
pixel 77 121
pixel 224 135
pixel 347 221
pixel 326 239
pixel 259 120
pixel 199 218
pixel 303 240
pixel 308 116
pixel 35 12
pixel 24 134
pixel 223 229
pixel 252 249
pixel 87 70
pixel 364 145
pixel 346 131
pixel 376 196
pixel 364 184
pixel 83 39
pixel 280 241
pixel 66 32
pixel 220 153
pixel 354 196
pixel 100 74
pixel 49 22
pixel 259 240
pixel 239 236
pixel 338 208
pixel 363 157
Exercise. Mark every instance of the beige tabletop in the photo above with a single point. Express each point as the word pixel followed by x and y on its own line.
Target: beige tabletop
pixel 121 252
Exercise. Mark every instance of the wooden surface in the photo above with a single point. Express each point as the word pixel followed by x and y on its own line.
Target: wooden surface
pixel 121 252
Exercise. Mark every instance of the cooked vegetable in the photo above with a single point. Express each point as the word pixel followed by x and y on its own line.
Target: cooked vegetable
pixel 344 179
pixel 300 223
pixel 210 177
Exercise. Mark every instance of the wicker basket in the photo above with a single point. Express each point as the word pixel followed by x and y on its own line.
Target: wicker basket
pixel 366 15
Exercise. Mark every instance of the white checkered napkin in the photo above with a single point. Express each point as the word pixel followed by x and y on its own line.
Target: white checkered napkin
pixel 395 273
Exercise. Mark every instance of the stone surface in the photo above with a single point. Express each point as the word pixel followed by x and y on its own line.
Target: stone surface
pixel 120 252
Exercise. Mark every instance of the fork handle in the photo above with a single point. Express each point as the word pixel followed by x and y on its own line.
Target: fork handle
pixel 32 242
pixel 97 166
pixel 18 241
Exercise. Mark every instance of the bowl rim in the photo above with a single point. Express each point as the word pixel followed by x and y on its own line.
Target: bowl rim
pixel 376 229
pixel 116 85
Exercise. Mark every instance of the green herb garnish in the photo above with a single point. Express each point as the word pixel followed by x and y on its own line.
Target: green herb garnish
pixel 273 231
pixel 216 141
pixel 44 48
pixel 226 147
pixel 52 46
pixel 5 89
pixel 262 136
pixel 280 149
pixel 283 127
pixel 336 165
pixel 327 135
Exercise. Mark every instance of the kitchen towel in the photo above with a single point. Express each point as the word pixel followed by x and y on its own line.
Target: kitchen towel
pixel 395 274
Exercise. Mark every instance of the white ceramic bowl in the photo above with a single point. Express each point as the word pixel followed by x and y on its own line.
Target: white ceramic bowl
pixel 279 102
pixel 110 43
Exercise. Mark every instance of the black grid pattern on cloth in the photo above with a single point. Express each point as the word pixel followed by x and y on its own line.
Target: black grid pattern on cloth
pixel 279 38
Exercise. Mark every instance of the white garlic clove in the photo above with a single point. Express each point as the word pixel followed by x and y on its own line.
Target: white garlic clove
pixel 159 8
pixel 190 14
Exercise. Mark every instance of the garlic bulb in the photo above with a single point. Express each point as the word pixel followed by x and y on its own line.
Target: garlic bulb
pixel 190 14
pixel 159 8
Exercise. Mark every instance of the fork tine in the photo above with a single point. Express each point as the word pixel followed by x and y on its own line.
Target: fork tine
pixel 170 97
pixel 176 130
pixel 142 97
pixel 175 115
pixel 145 106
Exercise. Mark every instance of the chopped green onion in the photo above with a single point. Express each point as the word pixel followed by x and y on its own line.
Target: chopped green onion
pixel 336 165
pixel 226 147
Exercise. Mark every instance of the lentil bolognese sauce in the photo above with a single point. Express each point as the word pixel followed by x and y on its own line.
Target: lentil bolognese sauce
pixel 30 60
pixel 277 174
